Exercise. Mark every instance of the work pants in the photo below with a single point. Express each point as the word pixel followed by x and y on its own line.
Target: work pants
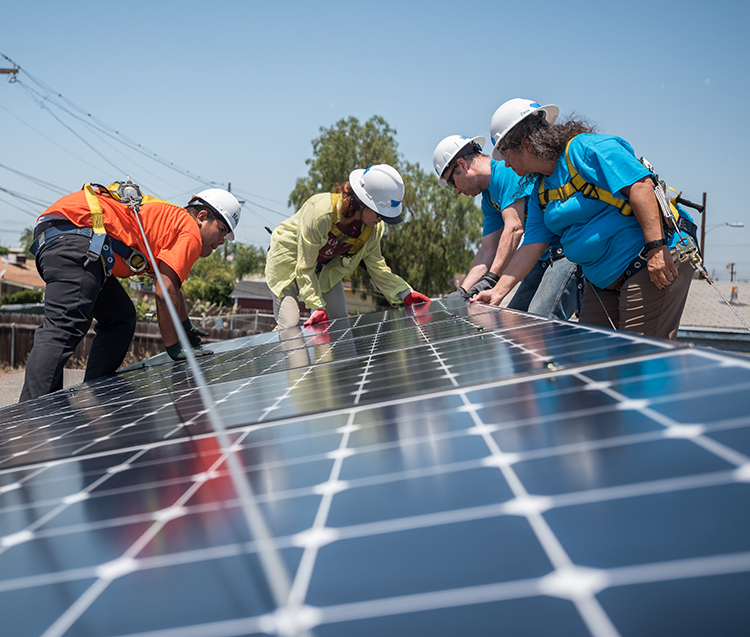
pixel 286 308
pixel 77 292
pixel 638 306
pixel 550 289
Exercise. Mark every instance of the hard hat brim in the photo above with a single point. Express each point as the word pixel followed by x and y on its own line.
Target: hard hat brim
pixel 479 140
pixel 355 178
pixel 550 114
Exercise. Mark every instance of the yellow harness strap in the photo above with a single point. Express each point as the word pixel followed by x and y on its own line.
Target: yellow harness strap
pixel 356 243
pixel 134 259
pixel 97 218
pixel 578 184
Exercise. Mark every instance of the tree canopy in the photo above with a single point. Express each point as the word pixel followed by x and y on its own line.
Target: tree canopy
pixel 441 230
pixel 212 278
pixel 438 237
pixel 342 148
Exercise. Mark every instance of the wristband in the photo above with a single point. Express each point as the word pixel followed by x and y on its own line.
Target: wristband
pixel 492 278
pixel 654 244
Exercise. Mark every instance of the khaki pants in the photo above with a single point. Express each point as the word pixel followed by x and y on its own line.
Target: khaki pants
pixel 638 306
pixel 286 309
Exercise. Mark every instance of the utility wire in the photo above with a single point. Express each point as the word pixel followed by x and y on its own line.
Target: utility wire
pixel 36 180
pixel 47 98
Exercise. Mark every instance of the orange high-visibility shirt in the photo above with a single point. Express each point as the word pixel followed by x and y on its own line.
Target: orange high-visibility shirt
pixel 172 233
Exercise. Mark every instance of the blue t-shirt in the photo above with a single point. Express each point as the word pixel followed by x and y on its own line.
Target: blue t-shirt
pixel 593 233
pixel 503 190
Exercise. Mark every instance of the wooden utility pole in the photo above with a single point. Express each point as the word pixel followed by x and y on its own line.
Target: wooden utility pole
pixel 12 72
pixel 730 267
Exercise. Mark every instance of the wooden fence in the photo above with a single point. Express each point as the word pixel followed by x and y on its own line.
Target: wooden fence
pixel 17 336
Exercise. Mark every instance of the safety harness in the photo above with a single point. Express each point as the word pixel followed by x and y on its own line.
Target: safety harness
pixel 356 243
pixel 590 191
pixel 102 245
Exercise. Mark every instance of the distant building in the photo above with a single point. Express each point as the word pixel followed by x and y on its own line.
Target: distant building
pixel 17 273
pixel 254 295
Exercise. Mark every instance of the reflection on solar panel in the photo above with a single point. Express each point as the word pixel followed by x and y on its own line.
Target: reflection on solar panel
pixel 464 471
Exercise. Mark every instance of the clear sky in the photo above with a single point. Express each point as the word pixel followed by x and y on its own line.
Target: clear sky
pixel 234 91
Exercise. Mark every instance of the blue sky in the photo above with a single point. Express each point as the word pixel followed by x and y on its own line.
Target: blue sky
pixel 234 91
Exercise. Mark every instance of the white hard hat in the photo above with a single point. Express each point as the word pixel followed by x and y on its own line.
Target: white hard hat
pixel 381 189
pixel 224 203
pixel 449 148
pixel 512 112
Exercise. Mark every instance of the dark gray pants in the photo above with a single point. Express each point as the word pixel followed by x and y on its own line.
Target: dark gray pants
pixel 76 292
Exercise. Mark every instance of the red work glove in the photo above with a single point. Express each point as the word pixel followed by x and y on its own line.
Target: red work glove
pixel 318 316
pixel 415 297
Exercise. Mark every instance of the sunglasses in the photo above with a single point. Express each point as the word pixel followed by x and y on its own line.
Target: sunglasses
pixel 449 178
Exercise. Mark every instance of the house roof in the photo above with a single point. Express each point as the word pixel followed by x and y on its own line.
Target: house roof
pixel 251 290
pixel 705 308
pixel 24 276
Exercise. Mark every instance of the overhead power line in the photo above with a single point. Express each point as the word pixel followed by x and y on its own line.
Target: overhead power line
pixel 58 106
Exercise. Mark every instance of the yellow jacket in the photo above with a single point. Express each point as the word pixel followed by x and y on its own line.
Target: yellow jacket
pixel 295 245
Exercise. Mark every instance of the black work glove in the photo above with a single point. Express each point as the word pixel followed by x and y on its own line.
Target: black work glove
pixel 194 333
pixel 487 282
pixel 176 353
pixel 459 294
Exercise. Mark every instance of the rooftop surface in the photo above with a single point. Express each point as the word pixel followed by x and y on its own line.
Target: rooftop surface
pixel 705 309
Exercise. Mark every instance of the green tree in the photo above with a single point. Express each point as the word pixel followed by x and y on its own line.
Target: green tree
pixel 441 231
pixel 247 259
pixel 342 148
pixel 438 238
pixel 24 296
pixel 211 279
pixel 27 238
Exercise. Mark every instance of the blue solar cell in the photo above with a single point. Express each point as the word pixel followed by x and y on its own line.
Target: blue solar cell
pixel 443 473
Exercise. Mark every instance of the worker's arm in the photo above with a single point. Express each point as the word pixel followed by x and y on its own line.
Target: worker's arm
pixel 498 247
pixel 173 289
pixel 520 265
pixel 510 238
pixel 483 260
pixel 661 267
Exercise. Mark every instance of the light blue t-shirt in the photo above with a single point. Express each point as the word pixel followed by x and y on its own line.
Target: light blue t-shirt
pixel 503 190
pixel 593 233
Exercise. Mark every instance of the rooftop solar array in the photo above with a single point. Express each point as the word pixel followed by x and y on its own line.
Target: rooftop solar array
pixel 459 470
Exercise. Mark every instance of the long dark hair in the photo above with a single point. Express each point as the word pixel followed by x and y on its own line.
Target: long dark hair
pixel 547 141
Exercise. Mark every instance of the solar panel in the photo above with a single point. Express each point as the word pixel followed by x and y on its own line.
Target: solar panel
pixel 460 471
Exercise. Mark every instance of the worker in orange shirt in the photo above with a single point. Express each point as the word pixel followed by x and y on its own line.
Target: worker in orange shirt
pixel 87 239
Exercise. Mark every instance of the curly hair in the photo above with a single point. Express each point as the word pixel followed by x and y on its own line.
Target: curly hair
pixel 350 203
pixel 546 141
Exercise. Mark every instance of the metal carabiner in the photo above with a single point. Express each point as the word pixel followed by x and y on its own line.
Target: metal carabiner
pixel 141 263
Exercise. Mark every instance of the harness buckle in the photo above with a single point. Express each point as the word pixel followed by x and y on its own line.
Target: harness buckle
pixel 95 247
pixel 136 261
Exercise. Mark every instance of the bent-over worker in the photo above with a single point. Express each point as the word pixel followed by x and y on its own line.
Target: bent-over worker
pixel 80 266
pixel 615 233
pixel 551 288
pixel 325 241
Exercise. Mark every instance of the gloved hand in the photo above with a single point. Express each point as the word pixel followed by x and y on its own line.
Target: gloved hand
pixel 176 353
pixel 458 294
pixel 487 282
pixel 415 297
pixel 194 333
pixel 318 316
